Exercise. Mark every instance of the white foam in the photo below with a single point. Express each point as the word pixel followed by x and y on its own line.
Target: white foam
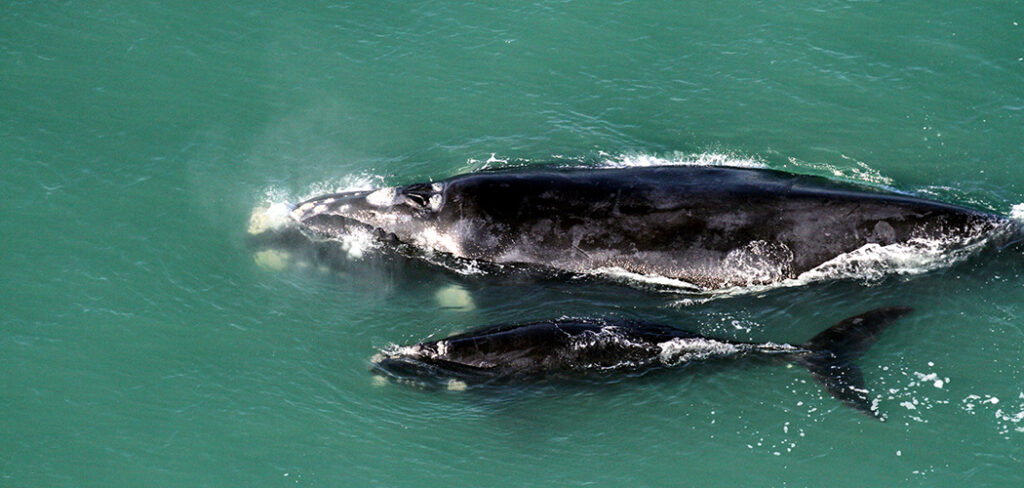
pixel 357 242
pixel 344 184
pixel 465 267
pixel 633 160
pixel 625 160
pixel 1009 415
pixel 270 217
pixel 679 350
pixel 873 261
pixel 861 173
pixel 619 274
pixel 396 351
pixel 869 263
pixel 1017 212
pixel 493 162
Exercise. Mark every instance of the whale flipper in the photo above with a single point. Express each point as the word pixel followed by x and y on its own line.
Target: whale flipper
pixel 832 353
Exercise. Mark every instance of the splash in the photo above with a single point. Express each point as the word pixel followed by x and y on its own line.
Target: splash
pixel 269 217
pixel 1017 213
pixel 344 184
pixel 357 242
pixel 643 281
pixel 869 263
pixel 637 160
pixel 861 172
pixel 608 160
pixel 682 350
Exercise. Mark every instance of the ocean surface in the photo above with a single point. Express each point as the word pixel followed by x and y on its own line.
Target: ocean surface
pixel 145 341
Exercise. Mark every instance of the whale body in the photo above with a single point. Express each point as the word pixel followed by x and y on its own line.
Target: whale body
pixel 712 227
pixel 572 347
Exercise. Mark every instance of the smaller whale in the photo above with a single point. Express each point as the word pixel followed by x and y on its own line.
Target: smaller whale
pixel 573 347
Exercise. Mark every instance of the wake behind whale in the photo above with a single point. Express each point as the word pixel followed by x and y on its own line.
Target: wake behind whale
pixel 697 227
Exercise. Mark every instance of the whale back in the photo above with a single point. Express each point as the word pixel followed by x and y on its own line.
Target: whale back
pixel 711 226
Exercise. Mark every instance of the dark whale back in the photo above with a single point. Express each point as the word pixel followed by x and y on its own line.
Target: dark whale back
pixel 712 226
pixel 591 346
pixel 567 344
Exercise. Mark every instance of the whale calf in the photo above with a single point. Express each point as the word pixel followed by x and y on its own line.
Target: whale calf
pixel 710 227
pixel 568 347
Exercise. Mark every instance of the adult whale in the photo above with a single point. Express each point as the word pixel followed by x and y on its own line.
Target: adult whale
pixel 712 227
pixel 587 346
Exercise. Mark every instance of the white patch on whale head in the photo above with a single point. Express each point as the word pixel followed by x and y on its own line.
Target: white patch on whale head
pixel 431 238
pixel 382 198
pixel 442 348
pixel 435 202
pixel 302 211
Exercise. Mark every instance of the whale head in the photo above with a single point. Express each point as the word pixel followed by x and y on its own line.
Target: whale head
pixel 409 214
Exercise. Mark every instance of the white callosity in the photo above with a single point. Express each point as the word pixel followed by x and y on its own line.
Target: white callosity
pixel 382 198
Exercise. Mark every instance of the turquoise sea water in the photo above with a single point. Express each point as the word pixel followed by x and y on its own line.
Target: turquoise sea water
pixel 144 342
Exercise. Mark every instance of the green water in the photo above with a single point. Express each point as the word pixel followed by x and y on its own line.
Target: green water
pixel 143 345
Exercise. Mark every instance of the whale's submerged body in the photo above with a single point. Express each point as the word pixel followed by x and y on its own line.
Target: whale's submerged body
pixel 587 346
pixel 712 227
